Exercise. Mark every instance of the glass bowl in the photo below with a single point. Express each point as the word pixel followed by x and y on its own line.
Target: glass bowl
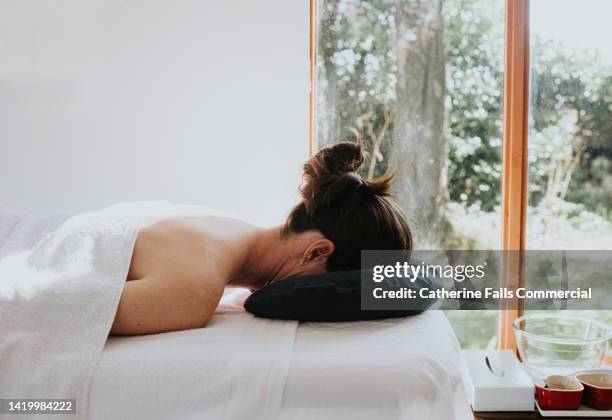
pixel 559 341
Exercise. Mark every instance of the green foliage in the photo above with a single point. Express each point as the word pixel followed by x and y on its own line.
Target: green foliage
pixel 475 85
pixel 567 82
pixel 356 72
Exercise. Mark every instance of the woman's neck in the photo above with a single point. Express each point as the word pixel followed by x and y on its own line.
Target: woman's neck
pixel 268 257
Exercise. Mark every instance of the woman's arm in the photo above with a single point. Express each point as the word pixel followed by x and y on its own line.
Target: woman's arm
pixel 154 305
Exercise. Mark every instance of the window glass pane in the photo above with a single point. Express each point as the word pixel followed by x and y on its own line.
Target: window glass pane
pixel 421 82
pixel 570 135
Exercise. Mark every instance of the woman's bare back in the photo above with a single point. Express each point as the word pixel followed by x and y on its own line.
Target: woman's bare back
pixel 178 272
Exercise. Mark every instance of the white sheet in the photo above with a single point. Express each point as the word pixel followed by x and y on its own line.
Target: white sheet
pixel 197 374
pixel 409 368
pixel 391 369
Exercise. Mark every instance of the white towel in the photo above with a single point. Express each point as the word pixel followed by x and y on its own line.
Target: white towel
pixel 60 283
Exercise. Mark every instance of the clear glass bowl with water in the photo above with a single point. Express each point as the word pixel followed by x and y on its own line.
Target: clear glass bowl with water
pixel 558 341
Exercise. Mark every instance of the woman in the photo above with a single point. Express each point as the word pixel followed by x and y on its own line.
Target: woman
pixel 181 266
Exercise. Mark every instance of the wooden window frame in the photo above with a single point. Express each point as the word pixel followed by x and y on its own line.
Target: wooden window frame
pixel 514 161
pixel 312 79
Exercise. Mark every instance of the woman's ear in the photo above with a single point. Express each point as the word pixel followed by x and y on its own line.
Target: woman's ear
pixel 318 251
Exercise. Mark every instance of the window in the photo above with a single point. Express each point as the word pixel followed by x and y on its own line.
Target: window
pixel 434 86
pixel 421 83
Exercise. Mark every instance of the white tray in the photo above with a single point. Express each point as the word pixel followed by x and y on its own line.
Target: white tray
pixel 583 411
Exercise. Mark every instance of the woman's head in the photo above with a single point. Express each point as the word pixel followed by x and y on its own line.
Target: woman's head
pixel 352 214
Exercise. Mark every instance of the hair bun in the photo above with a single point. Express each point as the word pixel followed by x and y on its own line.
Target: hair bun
pixel 330 174
pixel 337 159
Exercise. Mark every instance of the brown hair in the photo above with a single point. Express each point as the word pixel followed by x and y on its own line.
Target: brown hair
pixel 353 213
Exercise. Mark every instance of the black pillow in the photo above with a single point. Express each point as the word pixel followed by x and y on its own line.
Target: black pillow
pixel 333 296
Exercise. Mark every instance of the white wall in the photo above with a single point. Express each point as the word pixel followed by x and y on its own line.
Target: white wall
pixel 194 101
